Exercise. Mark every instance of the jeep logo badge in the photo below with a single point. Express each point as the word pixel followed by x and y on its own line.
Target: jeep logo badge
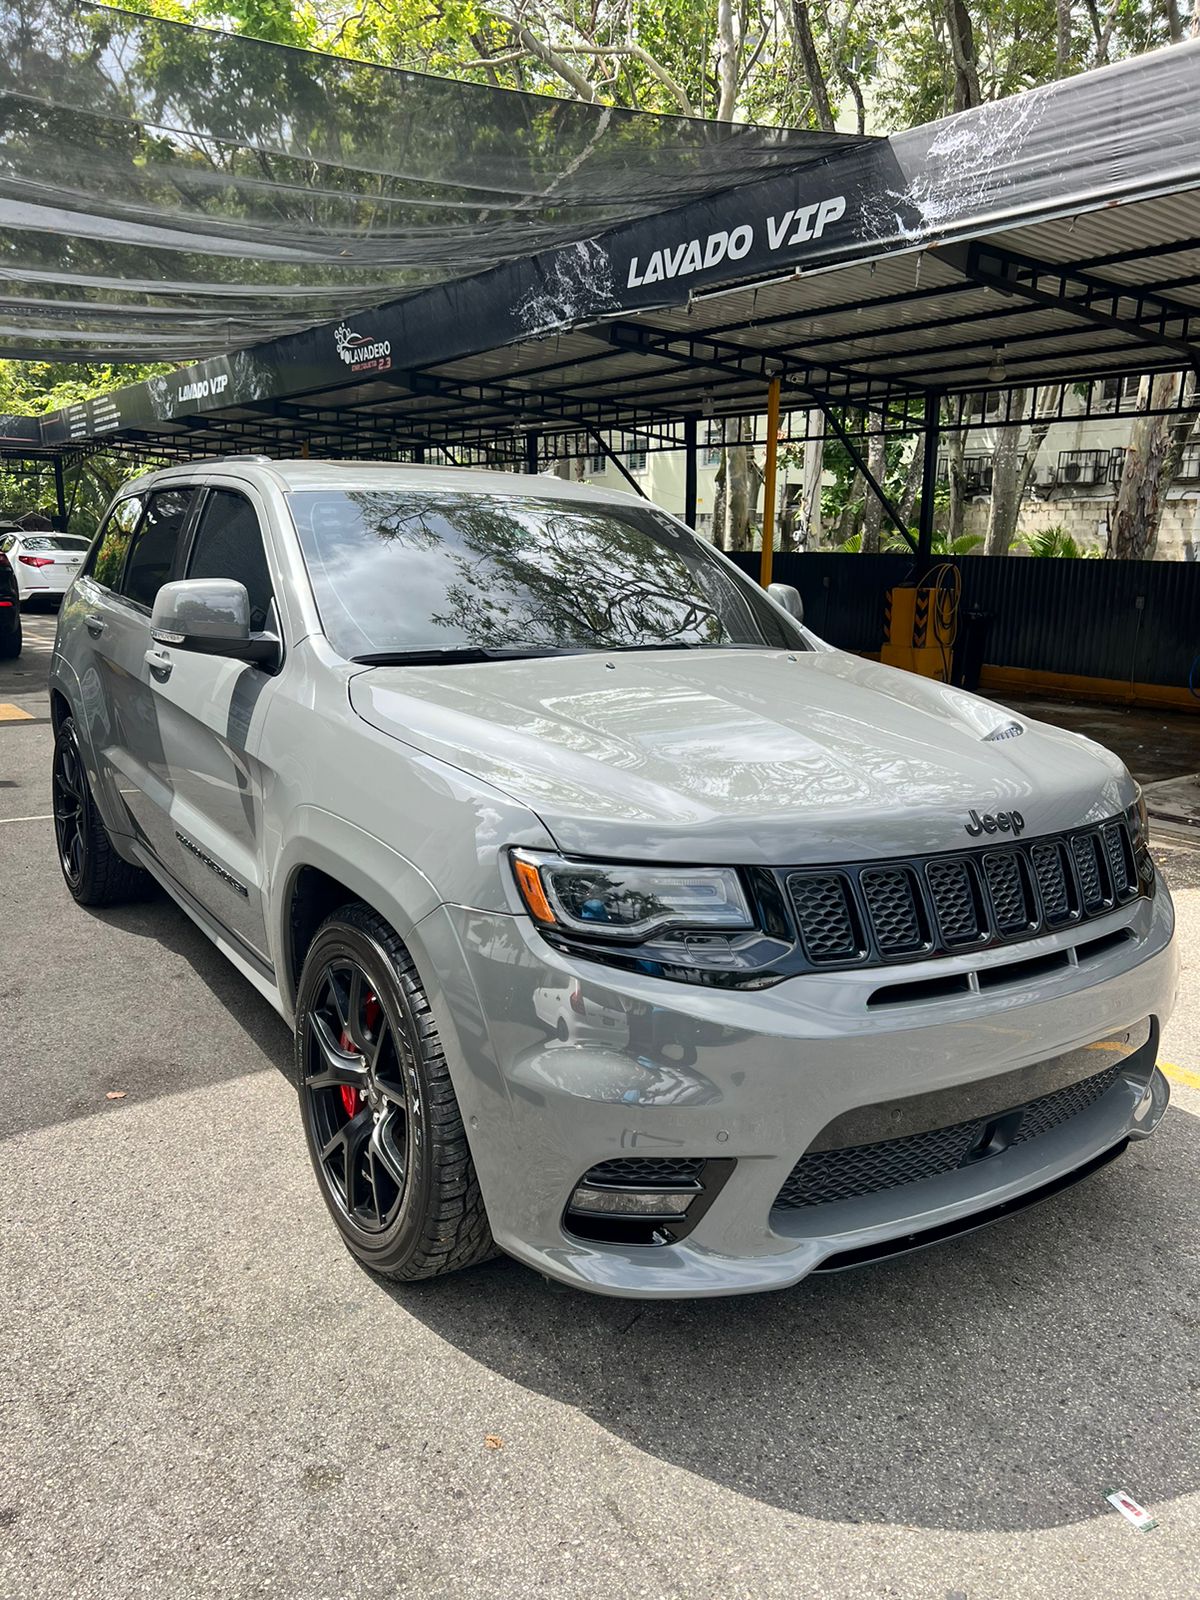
pixel 998 822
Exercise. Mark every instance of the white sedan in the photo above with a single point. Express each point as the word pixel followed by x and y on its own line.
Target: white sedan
pixel 44 563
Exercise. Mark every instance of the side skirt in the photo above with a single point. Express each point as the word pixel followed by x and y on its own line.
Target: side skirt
pixel 252 967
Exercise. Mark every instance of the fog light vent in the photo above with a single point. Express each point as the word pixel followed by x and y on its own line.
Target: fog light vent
pixel 643 1200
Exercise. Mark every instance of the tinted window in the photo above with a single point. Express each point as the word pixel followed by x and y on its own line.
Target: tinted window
pixel 406 570
pixel 108 559
pixel 154 546
pixel 229 545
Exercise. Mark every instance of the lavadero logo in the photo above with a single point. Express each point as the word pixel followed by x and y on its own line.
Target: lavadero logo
pixel 364 355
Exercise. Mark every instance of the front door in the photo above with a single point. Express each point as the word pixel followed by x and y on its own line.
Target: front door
pixel 209 717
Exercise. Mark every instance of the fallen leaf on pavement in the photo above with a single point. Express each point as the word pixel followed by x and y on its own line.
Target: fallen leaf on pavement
pixel 493 1441
pixel 115 1094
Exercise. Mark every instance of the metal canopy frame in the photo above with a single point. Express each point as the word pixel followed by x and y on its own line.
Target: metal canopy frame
pixel 1002 264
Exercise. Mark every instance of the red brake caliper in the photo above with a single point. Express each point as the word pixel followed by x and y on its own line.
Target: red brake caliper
pixel 372 1011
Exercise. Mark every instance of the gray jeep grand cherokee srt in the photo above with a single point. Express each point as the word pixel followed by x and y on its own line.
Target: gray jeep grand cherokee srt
pixel 623 924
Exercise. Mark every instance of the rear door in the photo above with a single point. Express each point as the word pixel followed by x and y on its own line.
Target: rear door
pixel 117 622
pixel 209 716
pixel 87 626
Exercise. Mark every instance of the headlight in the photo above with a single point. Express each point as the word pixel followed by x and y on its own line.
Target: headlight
pixel 629 903
pixel 1139 822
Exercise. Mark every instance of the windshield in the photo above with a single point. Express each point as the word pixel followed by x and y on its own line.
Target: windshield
pixel 406 570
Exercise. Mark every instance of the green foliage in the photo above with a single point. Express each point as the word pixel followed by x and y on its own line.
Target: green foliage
pixel 34 389
pixel 1056 542
pixel 891 540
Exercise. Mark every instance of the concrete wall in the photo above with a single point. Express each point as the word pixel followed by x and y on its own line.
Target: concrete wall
pixel 1085 518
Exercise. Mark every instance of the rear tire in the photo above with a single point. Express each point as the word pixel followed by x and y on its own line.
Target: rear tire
pixel 92 870
pixel 10 642
pixel 380 1115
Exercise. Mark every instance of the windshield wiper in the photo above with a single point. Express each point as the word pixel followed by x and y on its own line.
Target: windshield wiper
pixel 436 655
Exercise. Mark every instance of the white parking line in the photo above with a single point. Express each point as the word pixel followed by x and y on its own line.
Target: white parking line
pixel 48 817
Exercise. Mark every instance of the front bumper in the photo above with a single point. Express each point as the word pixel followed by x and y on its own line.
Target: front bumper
pixel 650 1067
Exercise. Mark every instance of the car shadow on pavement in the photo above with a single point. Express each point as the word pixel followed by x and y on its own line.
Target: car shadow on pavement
pixel 1005 1381
pixel 158 918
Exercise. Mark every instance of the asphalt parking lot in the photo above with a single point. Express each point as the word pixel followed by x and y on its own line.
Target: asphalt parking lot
pixel 203 1395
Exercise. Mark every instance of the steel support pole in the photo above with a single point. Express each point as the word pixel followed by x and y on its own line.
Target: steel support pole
pixel 60 494
pixel 769 475
pixel 531 453
pixel 930 441
pixel 689 472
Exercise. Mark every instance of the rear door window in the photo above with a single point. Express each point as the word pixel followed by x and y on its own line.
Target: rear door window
pixel 107 561
pixel 152 556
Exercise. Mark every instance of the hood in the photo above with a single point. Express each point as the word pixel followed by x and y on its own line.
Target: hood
pixel 742 756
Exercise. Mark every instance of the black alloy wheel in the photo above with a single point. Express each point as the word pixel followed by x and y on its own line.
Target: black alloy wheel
pixel 71 801
pixel 380 1115
pixel 356 1076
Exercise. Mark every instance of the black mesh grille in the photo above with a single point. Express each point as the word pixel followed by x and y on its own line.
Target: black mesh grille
pixel 877 911
pixel 1085 849
pixel 1114 845
pixel 823 911
pixel 829 1175
pixel 1046 1113
pixel 954 902
pixel 1006 885
pixel 1051 871
pixel 891 896
pixel 651 1172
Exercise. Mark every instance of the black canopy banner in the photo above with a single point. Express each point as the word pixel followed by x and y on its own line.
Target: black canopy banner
pixel 166 190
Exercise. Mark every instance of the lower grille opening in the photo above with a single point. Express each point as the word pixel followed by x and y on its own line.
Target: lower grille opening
pixel 899 994
pixel 1093 949
pixel 648 1200
pixel 823 1177
pixel 1022 971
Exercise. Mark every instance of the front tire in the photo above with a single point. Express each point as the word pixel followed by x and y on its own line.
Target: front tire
pixel 92 870
pixel 380 1115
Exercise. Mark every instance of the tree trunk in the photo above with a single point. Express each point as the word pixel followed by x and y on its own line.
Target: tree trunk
pixel 814 469
pixel 956 448
pixel 1005 487
pixel 873 510
pixel 912 484
pixel 850 515
pixel 806 54
pixel 1047 412
pixel 719 531
pixel 727 62
pixel 738 500
pixel 1151 462
pixel 962 51
pixel 1062 47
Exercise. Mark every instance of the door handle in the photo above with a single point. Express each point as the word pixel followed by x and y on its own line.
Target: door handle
pixel 94 625
pixel 160 665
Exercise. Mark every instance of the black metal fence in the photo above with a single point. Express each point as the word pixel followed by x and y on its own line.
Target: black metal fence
pixel 1135 621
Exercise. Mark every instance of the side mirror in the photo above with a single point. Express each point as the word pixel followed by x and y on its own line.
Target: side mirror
pixel 212 617
pixel 786 596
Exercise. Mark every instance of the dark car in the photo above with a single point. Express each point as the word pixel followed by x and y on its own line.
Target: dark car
pixel 10 611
